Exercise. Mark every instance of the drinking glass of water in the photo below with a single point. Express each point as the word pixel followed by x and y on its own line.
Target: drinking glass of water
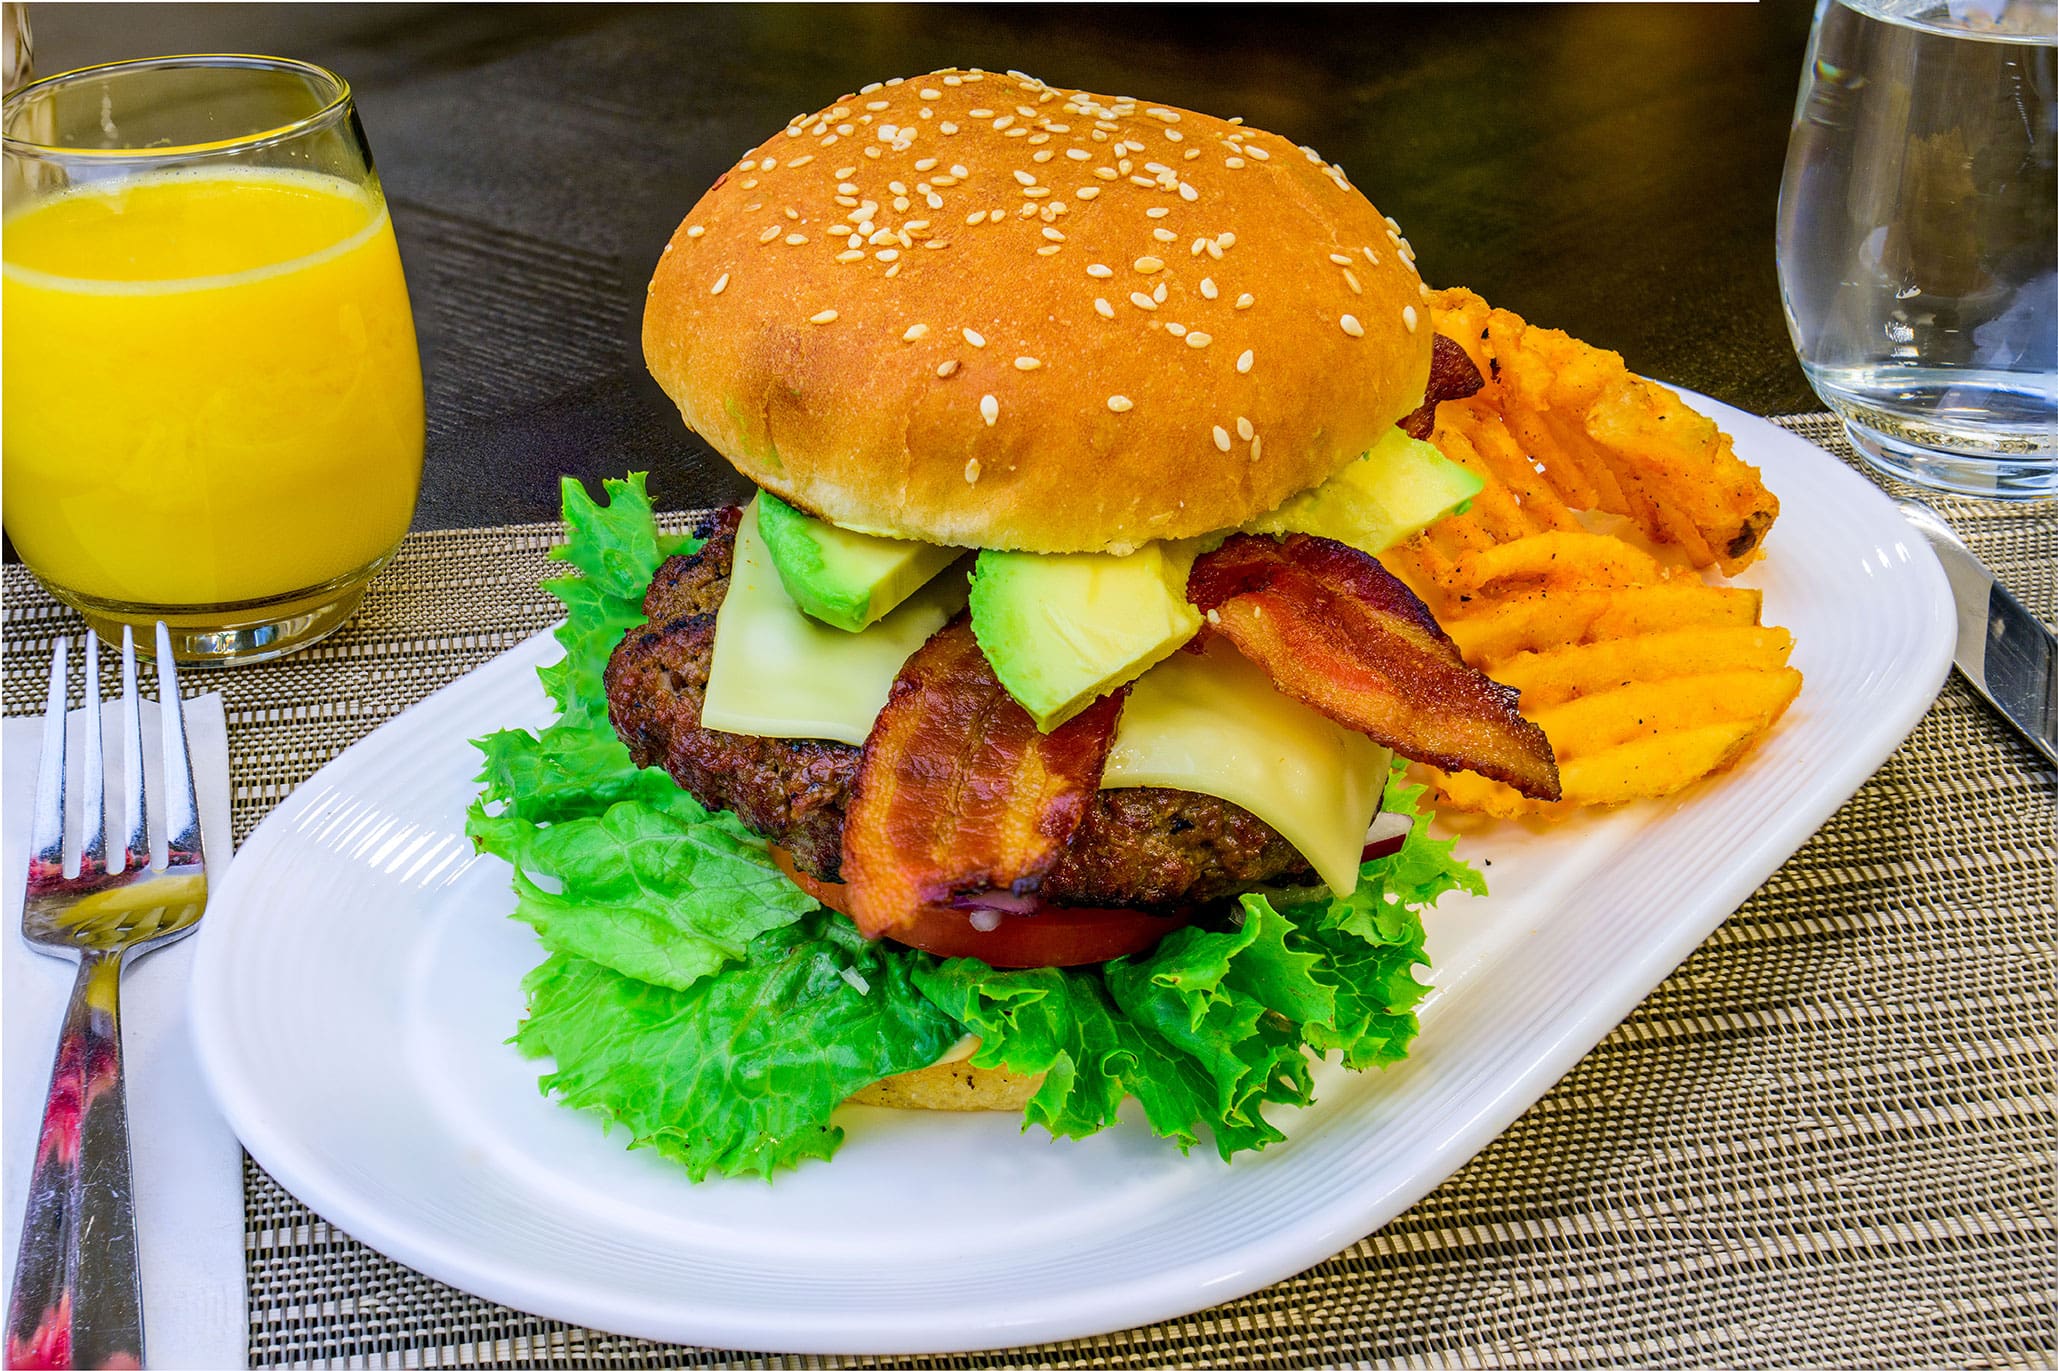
pixel 1918 237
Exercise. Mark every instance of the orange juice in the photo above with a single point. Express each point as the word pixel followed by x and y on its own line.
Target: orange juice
pixel 212 393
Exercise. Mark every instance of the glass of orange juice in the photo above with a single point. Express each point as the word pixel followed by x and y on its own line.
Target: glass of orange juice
pixel 213 401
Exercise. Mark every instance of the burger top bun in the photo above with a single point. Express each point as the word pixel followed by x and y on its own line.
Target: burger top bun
pixel 973 309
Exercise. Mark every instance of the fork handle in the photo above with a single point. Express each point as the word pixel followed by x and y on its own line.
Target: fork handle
pixel 78 1298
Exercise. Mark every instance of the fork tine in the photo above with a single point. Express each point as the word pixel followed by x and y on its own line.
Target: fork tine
pixel 182 819
pixel 135 786
pixel 47 831
pixel 93 775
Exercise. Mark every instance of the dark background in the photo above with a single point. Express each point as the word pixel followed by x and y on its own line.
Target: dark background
pixel 1611 170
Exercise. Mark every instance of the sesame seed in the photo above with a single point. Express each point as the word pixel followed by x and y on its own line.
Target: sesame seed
pixel 1106 173
pixel 1207 288
pixel 850 255
pixel 930 93
pixel 1158 293
pixel 1100 270
pixel 914 332
pixel 1004 122
pixel 695 231
pixel 1027 364
pixel 1025 178
pixel 1103 308
pixel 1257 446
pixel 1163 235
pixel 989 409
pixel 1408 317
pixel 769 234
pixel 1147 265
pixel 721 284
pixel 977 216
pixel 1048 249
pixel 1136 298
pixel 1176 330
pixel 1036 192
pixel 1120 404
pixel 1221 438
pixel 1199 246
pixel 1199 340
pixel 1157 211
pixel 1259 153
pixel 827 316
pixel 1246 300
pixel 1339 259
pixel 1041 156
pixel 1054 235
pixel 1243 362
pixel 959 172
pixel 1169 116
pixel 1244 429
pixel 1226 238
pixel 948 127
pixel 1077 154
pixel 1143 181
pixel 972 464
pixel 887 254
pixel 878 104
pixel 1174 136
pixel 1087 192
pixel 1352 281
pixel 946 368
pixel 796 239
pixel 1349 323
pixel 1187 192
pixel 1233 162
pixel 977 340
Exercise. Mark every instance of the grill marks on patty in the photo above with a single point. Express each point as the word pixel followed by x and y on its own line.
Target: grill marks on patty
pixel 1136 847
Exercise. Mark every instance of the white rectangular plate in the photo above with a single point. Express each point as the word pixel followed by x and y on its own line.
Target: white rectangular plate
pixel 358 976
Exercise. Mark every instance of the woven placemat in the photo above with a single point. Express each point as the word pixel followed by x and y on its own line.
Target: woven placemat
pixel 1829 1138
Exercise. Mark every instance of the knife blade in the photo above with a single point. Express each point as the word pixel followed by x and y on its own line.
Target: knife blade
pixel 2005 651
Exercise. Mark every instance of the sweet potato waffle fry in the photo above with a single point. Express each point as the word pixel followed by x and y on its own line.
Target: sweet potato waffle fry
pixel 1645 677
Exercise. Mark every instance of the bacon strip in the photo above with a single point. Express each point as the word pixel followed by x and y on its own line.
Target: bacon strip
pixel 1339 633
pixel 1452 376
pixel 957 790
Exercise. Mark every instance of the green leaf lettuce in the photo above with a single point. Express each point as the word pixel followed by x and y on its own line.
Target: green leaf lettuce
pixel 694 996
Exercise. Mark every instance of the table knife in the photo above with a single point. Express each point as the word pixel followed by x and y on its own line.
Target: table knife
pixel 2005 651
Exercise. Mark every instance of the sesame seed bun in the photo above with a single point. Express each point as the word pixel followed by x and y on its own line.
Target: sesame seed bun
pixel 973 309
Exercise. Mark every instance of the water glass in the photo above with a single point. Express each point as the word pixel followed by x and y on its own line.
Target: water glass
pixel 213 399
pixel 1918 237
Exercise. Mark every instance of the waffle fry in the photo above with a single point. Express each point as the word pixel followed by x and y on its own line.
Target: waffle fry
pixel 1645 677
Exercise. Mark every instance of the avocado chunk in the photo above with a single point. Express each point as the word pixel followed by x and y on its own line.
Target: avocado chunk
pixel 847 580
pixel 1063 629
pixel 1400 487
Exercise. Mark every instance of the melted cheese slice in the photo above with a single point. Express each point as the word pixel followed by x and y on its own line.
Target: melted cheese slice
pixel 1213 724
pixel 776 673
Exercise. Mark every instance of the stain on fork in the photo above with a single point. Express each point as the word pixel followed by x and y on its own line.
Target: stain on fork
pixel 77 1297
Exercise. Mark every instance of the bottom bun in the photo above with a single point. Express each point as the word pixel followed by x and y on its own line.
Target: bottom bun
pixel 952 1085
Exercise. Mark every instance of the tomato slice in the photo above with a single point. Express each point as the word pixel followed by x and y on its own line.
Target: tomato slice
pixel 1054 935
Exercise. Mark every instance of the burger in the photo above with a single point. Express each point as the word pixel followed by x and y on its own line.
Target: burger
pixel 1023 742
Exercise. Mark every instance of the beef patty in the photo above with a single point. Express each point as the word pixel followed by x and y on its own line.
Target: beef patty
pixel 1144 847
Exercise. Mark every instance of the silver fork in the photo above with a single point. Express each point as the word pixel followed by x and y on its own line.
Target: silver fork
pixel 77 1298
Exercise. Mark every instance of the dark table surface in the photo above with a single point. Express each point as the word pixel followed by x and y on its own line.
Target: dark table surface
pixel 1610 170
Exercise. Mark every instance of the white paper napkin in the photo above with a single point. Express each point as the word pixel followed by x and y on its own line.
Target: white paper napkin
pixel 188 1166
